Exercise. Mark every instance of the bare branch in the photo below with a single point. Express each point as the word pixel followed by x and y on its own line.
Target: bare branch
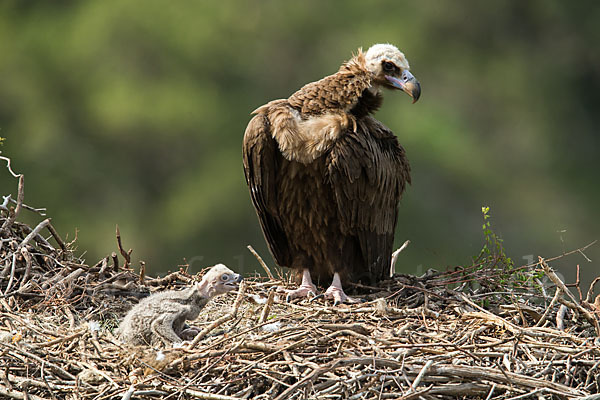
pixel 126 254
pixel 261 262
pixel 34 232
pixel 8 166
pixel 395 255
pixel 20 196
pixel 57 237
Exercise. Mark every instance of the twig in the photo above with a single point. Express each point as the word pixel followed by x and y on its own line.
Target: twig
pixel 395 255
pixel 46 381
pixel 126 254
pixel 560 317
pixel 549 308
pixel 6 200
pixel 592 397
pixel 41 211
pixel 573 303
pixel 266 309
pixel 127 395
pixel 70 279
pixel 103 263
pixel 12 274
pixel 202 395
pixel 419 377
pixel 20 196
pixel 491 392
pixel 34 232
pixel 568 253
pixel 590 292
pixel 57 237
pixel 60 340
pixel 261 262
pixel 16 395
pixel 584 256
pixel 115 260
pixel 28 263
pixel 53 366
pixel 358 328
pixel 576 284
pixel 142 272
pixel 8 166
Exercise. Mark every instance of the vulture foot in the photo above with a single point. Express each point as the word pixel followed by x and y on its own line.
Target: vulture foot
pixel 302 291
pixel 307 288
pixel 336 293
pixel 338 296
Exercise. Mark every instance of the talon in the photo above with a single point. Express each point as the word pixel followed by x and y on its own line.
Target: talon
pixel 338 297
pixel 306 289
pixel 336 292
pixel 320 296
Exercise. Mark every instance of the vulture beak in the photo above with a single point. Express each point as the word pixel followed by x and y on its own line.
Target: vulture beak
pixel 407 83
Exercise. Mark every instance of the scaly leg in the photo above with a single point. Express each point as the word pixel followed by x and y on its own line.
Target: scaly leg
pixel 336 292
pixel 307 288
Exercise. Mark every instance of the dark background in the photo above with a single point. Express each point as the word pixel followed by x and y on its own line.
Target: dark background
pixel 133 112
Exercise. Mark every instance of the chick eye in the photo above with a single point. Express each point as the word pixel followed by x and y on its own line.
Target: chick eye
pixel 224 277
pixel 388 66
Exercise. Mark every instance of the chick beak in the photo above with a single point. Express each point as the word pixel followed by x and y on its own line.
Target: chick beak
pixel 407 83
pixel 234 282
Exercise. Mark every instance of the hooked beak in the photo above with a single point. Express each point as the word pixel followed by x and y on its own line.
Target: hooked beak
pixel 407 83
pixel 236 282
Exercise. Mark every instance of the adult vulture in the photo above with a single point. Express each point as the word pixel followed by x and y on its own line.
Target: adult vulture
pixel 326 177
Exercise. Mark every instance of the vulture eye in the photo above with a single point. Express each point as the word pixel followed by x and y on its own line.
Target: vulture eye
pixel 224 277
pixel 388 66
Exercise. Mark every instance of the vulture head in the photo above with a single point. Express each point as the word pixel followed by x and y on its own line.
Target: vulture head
pixel 219 280
pixel 391 70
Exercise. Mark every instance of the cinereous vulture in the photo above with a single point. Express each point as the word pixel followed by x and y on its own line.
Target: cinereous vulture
pixel 326 177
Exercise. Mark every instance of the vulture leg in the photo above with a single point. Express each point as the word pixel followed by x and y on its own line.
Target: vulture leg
pixel 307 288
pixel 336 292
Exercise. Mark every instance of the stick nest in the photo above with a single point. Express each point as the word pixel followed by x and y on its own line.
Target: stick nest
pixel 444 334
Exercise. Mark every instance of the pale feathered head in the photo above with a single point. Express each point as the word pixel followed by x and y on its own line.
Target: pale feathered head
pixel 220 279
pixel 390 69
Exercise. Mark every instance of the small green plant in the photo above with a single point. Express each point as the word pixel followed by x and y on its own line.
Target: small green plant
pixel 497 269
pixel 492 249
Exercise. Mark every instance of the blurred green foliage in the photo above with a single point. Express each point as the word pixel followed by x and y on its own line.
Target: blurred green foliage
pixel 132 113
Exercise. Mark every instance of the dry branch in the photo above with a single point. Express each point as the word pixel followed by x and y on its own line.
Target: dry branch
pixel 573 304
pixel 395 255
pixel 261 262
pixel 57 237
pixel 126 254
pixel 20 197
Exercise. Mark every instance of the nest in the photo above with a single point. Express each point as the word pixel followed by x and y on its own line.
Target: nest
pixel 444 334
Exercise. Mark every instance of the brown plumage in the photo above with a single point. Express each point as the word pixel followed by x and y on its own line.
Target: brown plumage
pixel 326 177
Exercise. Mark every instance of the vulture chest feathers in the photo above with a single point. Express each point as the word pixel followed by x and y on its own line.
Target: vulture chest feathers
pixel 325 176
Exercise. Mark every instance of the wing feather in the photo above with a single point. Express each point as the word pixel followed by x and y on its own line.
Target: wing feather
pixel 368 172
pixel 261 158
